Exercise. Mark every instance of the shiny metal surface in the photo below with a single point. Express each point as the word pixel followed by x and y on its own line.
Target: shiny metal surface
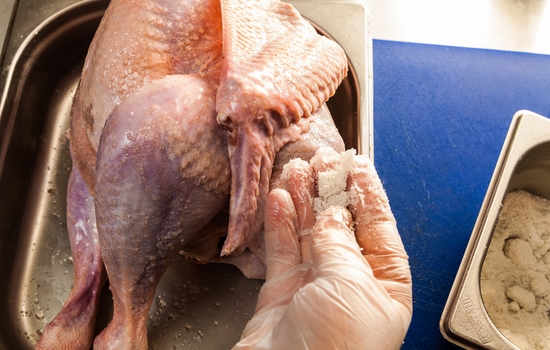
pixel 524 164
pixel 6 13
pixel 197 306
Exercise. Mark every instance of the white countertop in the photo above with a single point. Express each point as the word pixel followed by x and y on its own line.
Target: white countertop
pixel 511 25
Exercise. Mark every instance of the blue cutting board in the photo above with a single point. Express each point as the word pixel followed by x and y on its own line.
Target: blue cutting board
pixel 440 118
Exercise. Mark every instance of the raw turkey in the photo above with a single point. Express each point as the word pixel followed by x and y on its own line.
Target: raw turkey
pixel 185 113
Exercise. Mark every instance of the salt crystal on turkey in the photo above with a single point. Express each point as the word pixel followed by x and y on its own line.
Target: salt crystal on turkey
pixel 332 181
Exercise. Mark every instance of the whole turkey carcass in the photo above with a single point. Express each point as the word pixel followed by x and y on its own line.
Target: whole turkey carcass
pixel 185 108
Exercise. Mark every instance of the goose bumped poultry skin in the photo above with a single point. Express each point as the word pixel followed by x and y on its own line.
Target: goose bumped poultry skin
pixel 184 107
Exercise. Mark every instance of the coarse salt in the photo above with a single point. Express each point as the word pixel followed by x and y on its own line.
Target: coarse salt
pixel 514 279
pixel 332 182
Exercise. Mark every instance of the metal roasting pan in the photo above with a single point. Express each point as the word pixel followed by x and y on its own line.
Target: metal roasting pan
pixel 196 306
pixel 523 164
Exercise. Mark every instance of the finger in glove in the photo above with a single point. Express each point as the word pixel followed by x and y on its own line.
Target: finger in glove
pixel 300 183
pixel 281 240
pixel 377 233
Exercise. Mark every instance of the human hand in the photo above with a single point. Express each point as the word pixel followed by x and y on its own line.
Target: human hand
pixel 328 287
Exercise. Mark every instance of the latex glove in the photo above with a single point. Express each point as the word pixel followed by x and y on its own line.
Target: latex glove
pixel 328 287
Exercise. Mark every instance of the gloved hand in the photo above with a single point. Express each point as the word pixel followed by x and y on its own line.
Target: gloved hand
pixel 340 280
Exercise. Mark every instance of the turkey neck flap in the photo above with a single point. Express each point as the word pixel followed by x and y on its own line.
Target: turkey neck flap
pixel 276 71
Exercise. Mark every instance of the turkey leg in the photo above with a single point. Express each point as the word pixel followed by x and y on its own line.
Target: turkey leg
pixel 150 198
pixel 73 327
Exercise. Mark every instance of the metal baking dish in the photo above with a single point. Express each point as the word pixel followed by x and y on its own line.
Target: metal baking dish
pixel 199 306
pixel 524 164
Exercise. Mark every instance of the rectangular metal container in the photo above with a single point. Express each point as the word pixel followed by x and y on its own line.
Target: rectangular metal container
pixel 198 306
pixel 523 164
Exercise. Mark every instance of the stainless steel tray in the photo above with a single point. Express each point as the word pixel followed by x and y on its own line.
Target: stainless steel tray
pixel 198 306
pixel 524 164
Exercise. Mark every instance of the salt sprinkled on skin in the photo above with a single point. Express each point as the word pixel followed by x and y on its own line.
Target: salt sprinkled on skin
pixel 332 182
pixel 515 283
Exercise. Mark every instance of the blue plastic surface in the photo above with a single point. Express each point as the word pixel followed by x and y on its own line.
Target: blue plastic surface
pixel 440 118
